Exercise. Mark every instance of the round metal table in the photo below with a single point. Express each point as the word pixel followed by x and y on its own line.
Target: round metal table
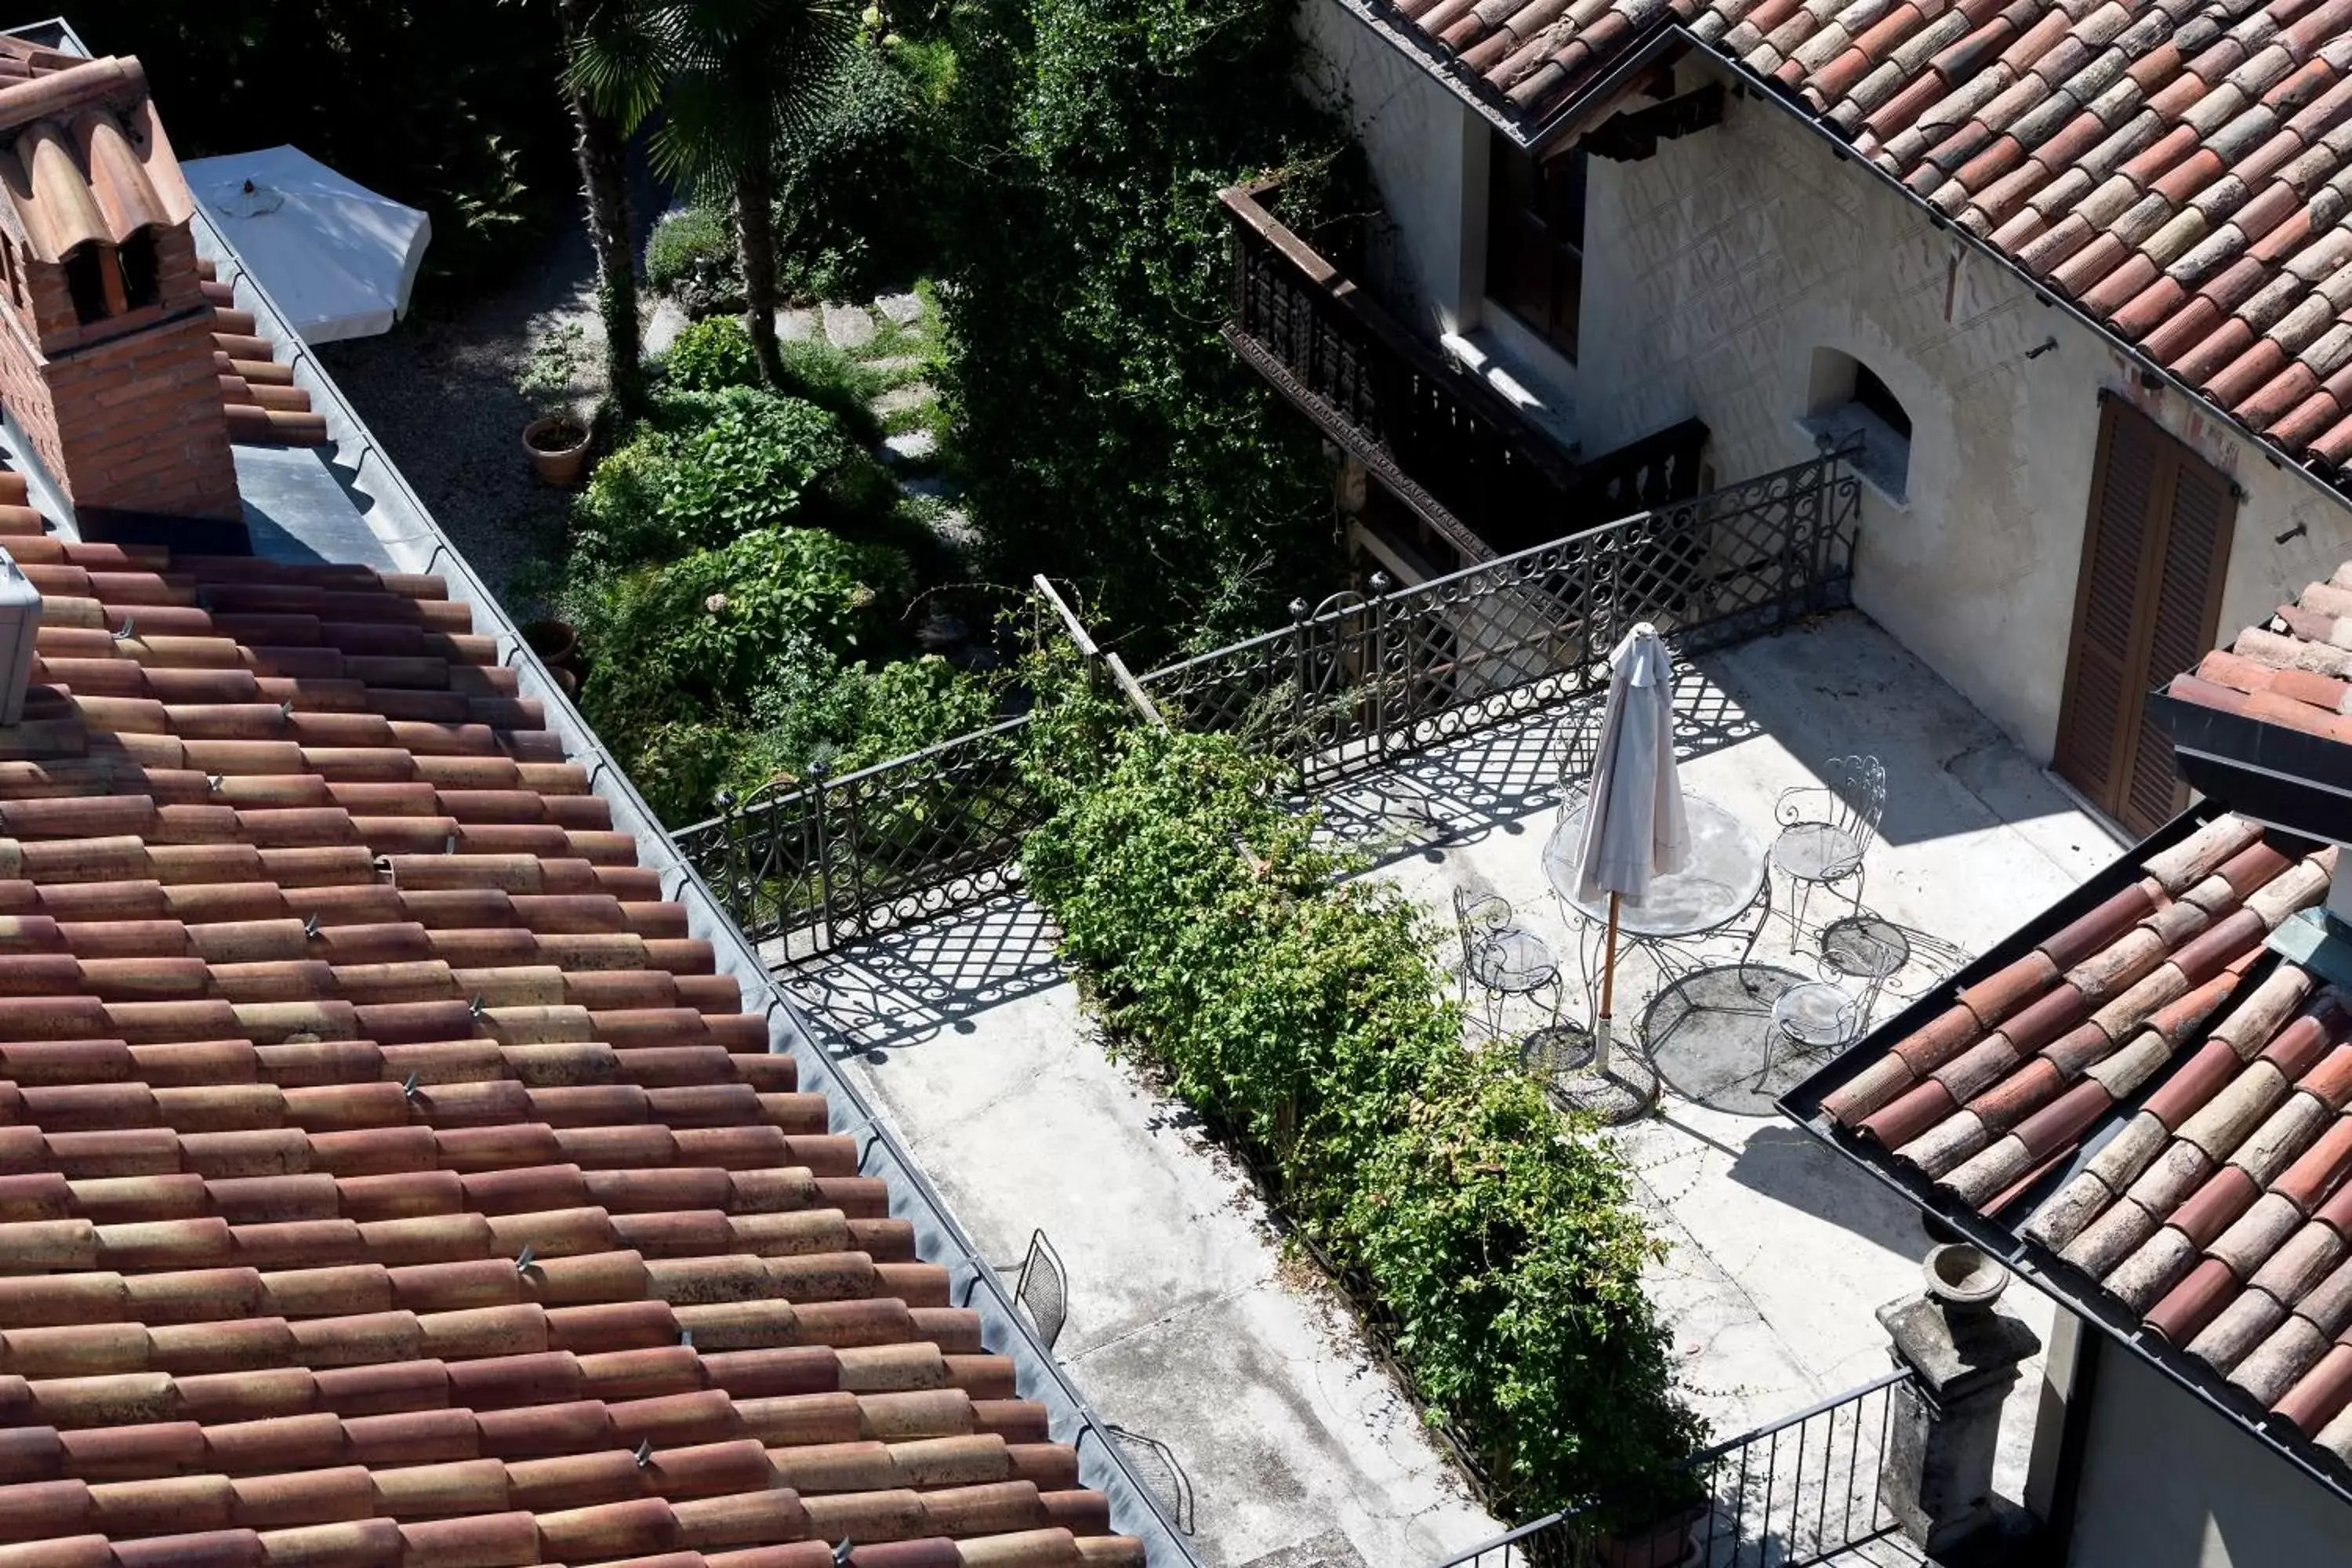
pixel 1722 876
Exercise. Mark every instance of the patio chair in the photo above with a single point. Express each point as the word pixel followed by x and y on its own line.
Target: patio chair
pixel 1829 1014
pixel 1826 830
pixel 1501 957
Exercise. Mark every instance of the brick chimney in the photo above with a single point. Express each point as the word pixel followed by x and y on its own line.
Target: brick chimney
pixel 106 342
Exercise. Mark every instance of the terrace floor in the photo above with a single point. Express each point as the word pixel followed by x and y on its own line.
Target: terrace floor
pixel 1186 1321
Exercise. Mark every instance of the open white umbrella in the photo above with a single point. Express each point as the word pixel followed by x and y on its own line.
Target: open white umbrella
pixel 1633 825
pixel 339 258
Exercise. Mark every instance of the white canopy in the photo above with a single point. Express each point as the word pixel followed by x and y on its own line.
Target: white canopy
pixel 339 258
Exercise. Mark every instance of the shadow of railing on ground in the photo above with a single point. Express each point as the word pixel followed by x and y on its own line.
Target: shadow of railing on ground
pixel 908 986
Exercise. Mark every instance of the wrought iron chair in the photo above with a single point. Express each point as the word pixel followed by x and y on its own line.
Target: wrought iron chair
pixel 1041 1289
pixel 1829 1014
pixel 1501 957
pixel 1826 831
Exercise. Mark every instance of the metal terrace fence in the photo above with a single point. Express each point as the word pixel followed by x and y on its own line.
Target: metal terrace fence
pixel 1342 691
pixel 1801 1491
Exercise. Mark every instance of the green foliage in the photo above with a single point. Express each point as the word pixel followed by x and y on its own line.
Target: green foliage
pixel 1308 1014
pixel 709 468
pixel 711 354
pixel 690 255
pixel 850 214
pixel 1107 432
pixel 474 133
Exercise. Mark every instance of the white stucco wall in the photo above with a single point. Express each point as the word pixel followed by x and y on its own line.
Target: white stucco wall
pixel 1714 269
pixel 1428 157
pixel 2169 1483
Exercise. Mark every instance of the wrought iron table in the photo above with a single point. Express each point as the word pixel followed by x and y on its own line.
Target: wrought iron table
pixel 1722 879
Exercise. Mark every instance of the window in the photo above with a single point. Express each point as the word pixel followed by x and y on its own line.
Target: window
pixel 1534 239
pixel 1851 402
pixel 141 270
pixel 86 283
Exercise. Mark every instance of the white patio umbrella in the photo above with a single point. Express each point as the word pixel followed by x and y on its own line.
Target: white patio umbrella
pixel 1633 825
pixel 339 258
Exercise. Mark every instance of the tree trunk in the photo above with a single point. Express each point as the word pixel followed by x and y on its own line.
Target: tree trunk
pixel 756 238
pixel 603 159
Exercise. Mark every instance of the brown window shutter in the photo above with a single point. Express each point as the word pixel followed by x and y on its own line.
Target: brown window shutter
pixel 2187 594
pixel 2099 714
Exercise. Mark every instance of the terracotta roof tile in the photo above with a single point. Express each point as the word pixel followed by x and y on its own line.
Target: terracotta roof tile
pixel 277 1123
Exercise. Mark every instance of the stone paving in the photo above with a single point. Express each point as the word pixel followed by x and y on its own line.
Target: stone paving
pixel 1186 1321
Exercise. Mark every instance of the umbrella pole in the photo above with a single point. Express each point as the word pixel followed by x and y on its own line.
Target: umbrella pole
pixel 1608 991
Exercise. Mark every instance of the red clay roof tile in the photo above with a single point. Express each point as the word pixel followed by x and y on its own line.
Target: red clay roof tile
pixel 291 1294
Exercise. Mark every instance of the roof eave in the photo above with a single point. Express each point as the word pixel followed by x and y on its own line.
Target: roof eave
pixel 2056 1279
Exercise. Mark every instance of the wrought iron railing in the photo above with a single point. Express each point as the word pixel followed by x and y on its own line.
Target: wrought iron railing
pixel 1803 1490
pixel 1443 440
pixel 1341 689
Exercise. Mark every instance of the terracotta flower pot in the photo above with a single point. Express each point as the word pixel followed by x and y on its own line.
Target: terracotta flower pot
pixel 559 449
pixel 557 643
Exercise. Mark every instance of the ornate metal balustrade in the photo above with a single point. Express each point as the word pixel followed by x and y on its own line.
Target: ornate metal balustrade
pixel 1443 441
pixel 1801 1491
pixel 1340 690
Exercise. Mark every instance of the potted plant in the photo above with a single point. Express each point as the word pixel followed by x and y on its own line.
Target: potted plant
pixel 557 439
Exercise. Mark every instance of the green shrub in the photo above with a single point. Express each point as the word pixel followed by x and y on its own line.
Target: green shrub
pixel 1106 432
pixel 706 468
pixel 1308 1014
pixel 697 638
pixel 690 245
pixel 849 212
pixel 711 354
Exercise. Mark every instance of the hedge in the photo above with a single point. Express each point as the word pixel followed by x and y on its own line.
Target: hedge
pixel 1309 1015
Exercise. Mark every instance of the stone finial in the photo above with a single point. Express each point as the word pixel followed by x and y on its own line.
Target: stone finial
pixel 1964 1355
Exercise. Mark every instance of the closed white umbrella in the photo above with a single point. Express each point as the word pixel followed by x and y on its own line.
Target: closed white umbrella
pixel 339 258
pixel 1633 825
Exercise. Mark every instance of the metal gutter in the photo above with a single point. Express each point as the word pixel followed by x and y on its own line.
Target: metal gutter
pixel 2062 1281
pixel 399 519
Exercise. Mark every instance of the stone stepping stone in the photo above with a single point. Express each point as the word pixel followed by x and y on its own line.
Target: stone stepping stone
pixel 931 487
pixel 901 307
pixel 908 445
pixel 662 330
pixel 796 325
pixel 892 363
pixel 904 399
pixel 847 326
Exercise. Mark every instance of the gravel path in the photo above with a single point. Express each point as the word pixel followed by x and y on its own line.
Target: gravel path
pixel 440 395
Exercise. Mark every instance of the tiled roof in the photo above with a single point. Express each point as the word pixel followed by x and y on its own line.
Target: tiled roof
pixel 257 392
pixel 2294 671
pixel 386 1177
pixel 2179 170
pixel 2210 1077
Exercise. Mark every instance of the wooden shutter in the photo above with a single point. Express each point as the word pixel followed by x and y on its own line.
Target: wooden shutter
pixel 2155 549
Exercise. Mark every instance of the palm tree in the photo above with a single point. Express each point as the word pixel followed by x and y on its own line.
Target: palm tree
pixel 741 77
pixel 611 82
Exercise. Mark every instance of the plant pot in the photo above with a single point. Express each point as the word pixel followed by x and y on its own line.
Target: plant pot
pixel 567 682
pixel 557 643
pixel 559 449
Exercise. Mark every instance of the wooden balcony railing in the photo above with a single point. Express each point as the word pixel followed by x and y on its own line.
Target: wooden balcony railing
pixel 1444 442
